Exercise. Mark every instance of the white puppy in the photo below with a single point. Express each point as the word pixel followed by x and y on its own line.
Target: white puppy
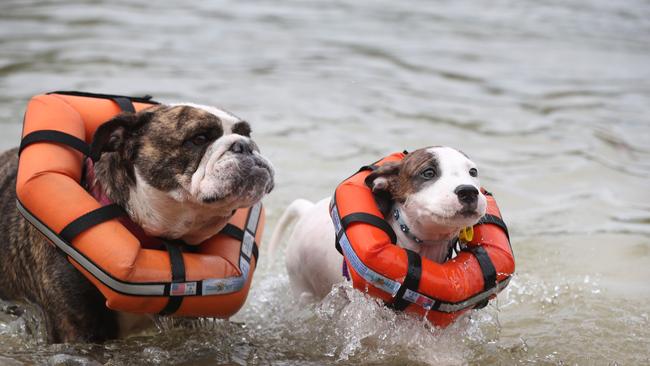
pixel 427 198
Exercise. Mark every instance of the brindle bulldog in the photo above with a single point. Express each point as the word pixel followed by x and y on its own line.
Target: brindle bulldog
pixel 179 171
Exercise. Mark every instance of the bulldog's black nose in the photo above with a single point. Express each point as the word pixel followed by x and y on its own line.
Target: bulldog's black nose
pixel 241 147
pixel 466 193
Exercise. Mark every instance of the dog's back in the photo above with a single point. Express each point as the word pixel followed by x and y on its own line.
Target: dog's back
pixel 12 227
pixel 32 270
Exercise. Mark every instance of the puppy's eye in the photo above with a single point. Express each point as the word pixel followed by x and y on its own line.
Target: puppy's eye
pixel 428 173
pixel 473 172
pixel 200 139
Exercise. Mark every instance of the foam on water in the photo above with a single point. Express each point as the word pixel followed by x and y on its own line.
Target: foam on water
pixel 348 327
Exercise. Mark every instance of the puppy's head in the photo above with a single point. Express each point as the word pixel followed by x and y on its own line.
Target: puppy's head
pixel 435 186
pixel 202 158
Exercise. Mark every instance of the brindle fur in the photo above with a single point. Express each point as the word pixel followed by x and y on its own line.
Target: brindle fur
pixel 129 139
pixel 32 270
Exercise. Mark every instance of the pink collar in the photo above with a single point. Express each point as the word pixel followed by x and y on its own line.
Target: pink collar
pixel 95 189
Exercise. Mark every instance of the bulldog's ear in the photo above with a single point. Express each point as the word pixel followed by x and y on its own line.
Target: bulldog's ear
pixel 114 134
pixel 383 177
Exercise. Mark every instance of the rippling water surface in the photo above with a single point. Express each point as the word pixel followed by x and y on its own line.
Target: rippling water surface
pixel 551 98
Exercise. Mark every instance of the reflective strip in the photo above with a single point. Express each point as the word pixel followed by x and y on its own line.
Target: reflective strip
pixel 220 286
pixel 210 286
pixel 391 286
pixel 119 286
pixel 253 217
pixel 450 307
pixel 418 299
pixel 374 278
pixel 182 288
pixel 247 243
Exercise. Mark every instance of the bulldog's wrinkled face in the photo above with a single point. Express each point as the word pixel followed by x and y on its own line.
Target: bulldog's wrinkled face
pixel 436 188
pixel 181 170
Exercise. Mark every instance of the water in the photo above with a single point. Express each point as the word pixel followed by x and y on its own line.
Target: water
pixel 551 98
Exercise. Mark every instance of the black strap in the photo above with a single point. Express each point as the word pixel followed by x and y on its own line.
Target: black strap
pixel 489 272
pixel 337 243
pixel 90 219
pixel 57 137
pixel 124 103
pixel 371 167
pixel 496 220
pixel 176 261
pixel 178 275
pixel 144 99
pixel 369 219
pixel 411 281
pixel 237 233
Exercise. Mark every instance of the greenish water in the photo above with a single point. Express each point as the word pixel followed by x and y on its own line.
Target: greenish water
pixel 550 98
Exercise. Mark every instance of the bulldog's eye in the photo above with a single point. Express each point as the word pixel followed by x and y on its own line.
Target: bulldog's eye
pixel 473 172
pixel 200 139
pixel 428 173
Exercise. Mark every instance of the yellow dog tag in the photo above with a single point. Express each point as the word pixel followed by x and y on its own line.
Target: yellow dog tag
pixel 466 234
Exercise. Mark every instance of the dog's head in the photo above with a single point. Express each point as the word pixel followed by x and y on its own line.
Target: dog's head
pixel 180 170
pixel 437 187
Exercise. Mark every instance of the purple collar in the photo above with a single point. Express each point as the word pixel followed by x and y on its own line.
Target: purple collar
pixel 344 269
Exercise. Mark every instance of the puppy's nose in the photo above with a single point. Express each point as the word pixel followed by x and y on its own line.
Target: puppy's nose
pixel 241 147
pixel 466 193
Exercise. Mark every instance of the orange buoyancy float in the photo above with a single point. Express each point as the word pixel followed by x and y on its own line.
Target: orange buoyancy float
pixel 400 277
pixel 212 281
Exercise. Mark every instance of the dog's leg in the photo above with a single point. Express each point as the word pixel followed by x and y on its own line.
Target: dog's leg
pixel 74 309
pixel 32 270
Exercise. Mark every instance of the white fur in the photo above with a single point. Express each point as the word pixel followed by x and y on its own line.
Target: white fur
pixel 314 264
pixel 205 182
pixel 174 214
pixel 431 213
pixel 312 261
pixel 208 180
pixel 227 118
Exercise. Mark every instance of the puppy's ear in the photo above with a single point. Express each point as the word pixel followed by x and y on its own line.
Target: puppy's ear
pixel 383 177
pixel 113 135
pixel 382 182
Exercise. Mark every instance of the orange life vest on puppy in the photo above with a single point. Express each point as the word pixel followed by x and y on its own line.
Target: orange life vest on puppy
pixel 403 279
pixel 212 280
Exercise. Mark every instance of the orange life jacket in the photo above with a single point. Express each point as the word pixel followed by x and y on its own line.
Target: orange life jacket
pixel 403 279
pixel 211 281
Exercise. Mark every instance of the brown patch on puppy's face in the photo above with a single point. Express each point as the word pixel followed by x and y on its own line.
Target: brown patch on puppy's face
pixel 436 183
pixel 400 179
